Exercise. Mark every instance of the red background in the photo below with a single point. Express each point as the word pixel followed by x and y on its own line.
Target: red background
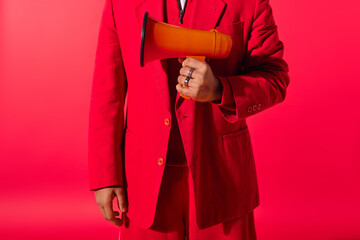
pixel 307 148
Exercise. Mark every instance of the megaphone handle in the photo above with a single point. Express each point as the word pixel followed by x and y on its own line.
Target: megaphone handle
pixel 200 58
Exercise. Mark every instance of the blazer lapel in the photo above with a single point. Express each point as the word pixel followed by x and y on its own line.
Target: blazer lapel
pixel 205 14
pixel 158 68
pixel 154 8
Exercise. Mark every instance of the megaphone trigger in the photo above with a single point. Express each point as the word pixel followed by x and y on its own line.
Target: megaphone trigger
pixel 200 58
pixel 185 97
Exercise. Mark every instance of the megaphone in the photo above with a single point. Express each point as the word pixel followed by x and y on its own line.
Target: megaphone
pixel 160 40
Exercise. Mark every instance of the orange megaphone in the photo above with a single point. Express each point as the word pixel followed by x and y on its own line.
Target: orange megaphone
pixel 160 40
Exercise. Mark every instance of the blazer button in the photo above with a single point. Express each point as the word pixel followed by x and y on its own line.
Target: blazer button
pixel 255 108
pixel 161 161
pixel 259 106
pixel 167 121
pixel 250 109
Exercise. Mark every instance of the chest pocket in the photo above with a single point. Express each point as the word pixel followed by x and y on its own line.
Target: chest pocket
pixel 232 29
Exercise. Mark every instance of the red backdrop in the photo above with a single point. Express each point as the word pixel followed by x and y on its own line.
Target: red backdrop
pixel 307 148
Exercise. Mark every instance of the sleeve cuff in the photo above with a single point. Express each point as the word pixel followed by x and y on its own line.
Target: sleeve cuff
pixel 227 102
pixel 95 189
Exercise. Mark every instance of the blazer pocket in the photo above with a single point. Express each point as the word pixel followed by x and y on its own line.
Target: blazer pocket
pixel 232 29
pixel 237 148
pixel 235 134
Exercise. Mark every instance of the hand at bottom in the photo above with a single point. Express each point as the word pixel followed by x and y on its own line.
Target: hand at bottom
pixel 104 199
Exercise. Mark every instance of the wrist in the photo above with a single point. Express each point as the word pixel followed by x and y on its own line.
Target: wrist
pixel 218 92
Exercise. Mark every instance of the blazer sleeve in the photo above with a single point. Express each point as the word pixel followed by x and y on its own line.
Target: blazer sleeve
pixel 106 113
pixel 265 77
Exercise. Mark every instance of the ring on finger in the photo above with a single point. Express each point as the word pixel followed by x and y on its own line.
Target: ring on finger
pixel 186 82
pixel 190 72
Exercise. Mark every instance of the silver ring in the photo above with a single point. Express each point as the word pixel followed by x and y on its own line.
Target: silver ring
pixel 191 72
pixel 186 82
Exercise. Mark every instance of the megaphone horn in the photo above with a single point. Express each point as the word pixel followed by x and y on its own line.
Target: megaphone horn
pixel 160 40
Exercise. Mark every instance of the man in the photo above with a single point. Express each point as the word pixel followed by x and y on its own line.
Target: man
pixel 181 167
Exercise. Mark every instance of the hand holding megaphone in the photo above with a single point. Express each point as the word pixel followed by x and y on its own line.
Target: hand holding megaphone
pixel 160 40
pixel 202 84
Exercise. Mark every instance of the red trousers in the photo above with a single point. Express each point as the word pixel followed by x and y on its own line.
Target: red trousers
pixel 175 217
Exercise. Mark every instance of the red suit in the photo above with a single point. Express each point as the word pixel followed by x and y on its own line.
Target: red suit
pixel 130 108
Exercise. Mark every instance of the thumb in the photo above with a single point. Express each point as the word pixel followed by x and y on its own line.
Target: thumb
pixel 120 195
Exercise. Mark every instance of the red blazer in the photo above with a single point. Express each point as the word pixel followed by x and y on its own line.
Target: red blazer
pixel 129 106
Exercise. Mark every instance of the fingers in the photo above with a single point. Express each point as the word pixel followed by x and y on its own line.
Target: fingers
pixel 186 91
pixel 184 71
pixel 110 215
pixel 202 86
pixel 120 195
pixel 104 199
pixel 193 63
pixel 198 74
pixel 193 83
pixel 181 80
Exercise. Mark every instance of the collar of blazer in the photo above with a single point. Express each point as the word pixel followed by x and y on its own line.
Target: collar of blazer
pixel 203 15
